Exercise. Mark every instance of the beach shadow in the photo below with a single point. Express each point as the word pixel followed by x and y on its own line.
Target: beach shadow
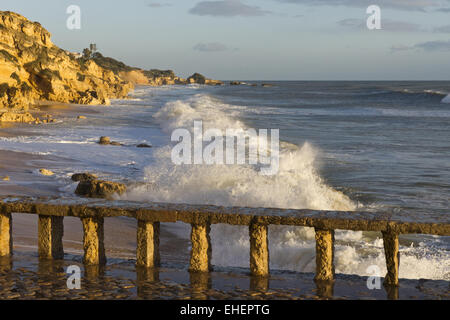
pixel 6 264
pixel 392 292
pixel 325 289
pixel 200 284
pixel 259 284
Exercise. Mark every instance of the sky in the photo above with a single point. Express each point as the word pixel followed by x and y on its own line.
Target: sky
pixel 259 39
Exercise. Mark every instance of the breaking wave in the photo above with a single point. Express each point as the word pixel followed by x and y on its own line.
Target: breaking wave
pixel 298 184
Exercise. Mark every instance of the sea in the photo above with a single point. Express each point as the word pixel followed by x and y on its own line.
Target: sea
pixel 366 146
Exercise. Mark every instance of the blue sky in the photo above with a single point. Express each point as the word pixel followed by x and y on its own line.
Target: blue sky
pixel 264 39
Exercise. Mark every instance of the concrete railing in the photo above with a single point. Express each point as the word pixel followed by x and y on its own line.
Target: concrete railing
pixel 149 216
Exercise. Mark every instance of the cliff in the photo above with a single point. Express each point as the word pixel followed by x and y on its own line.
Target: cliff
pixel 33 68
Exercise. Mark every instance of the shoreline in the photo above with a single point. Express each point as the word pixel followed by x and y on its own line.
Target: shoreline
pixel 22 170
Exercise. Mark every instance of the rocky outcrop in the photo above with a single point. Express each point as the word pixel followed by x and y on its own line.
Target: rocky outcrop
pixel 201 79
pixel 153 77
pixel 83 177
pixel 33 68
pixel 197 78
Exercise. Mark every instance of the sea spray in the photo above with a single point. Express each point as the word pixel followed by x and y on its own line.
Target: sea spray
pixel 298 184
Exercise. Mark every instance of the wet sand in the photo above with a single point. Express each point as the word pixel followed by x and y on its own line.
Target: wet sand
pixel 26 277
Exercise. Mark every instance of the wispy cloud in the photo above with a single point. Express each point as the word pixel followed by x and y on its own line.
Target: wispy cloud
pixel 429 46
pixel 398 48
pixel 158 5
pixel 227 8
pixel 210 47
pixel 434 45
pixel 412 5
pixel 386 24
pixel 446 10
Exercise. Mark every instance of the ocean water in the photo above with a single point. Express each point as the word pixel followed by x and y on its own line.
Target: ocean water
pixel 378 146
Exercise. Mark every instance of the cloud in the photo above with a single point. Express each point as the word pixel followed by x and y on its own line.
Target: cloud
pixel 386 25
pixel 434 45
pixel 210 47
pixel 158 5
pixel 412 5
pixel 398 48
pixel 446 10
pixel 226 8
pixel 443 29
pixel 429 46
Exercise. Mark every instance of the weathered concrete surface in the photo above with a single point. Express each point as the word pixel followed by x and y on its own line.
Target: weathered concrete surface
pixel 324 255
pixel 198 214
pixel 147 251
pixel 392 254
pixel 259 250
pixel 93 241
pixel 5 235
pixel 201 217
pixel 201 248
pixel 50 236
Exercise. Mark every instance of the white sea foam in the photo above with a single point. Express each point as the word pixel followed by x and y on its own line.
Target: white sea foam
pixel 446 99
pixel 297 185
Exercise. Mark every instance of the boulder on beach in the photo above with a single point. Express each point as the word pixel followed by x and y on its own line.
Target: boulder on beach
pixel 143 145
pixel 104 140
pixel 107 141
pixel 81 117
pixel 84 177
pixel 46 172
pixel 235 83
pixel 99 189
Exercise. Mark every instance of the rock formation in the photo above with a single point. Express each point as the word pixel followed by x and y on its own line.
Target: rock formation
pixel 99 189
pixel 153 77
pixel 33 68
pixel 83 177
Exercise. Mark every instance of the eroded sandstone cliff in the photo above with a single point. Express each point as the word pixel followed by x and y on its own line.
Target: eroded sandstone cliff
pixel 33 68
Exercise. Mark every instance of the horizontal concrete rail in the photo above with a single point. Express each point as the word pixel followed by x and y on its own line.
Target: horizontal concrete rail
pixel 149 216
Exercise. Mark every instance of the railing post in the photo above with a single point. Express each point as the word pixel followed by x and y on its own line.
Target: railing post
pixel 390 242
pixel 201 248
pixel 324 255
pixel 147 251
pixel 93 241
pixel 50 236
pixel 5 235
pixel 259 249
